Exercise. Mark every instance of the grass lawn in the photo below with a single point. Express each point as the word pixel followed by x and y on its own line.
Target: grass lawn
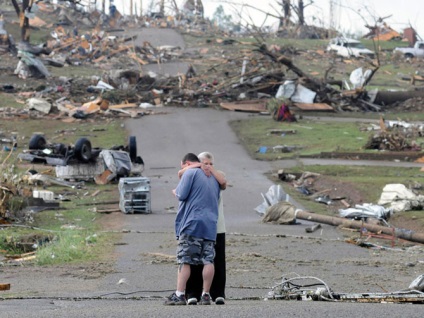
pixel 72 233
pixel 314 137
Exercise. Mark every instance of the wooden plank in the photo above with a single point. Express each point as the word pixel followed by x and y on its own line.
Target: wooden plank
pixel 314 106
pixel 247 106
pixel 120 106
pixel 20 255
pixel 4 286
pixel 99 59
pixel 139 60
pixel 95 193
pixel 27 258
pixel 119 50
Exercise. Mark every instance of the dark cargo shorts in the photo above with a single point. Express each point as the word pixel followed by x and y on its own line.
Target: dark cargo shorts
pixel 195 251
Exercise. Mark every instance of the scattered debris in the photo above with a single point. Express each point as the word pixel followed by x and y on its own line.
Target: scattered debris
pixel 82 162
pixel 382 33
pixel 366 210
pixel 336 221
pixel 301 288
pixel 274 195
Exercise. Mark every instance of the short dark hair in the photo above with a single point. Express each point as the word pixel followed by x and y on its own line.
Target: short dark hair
pixel 190 157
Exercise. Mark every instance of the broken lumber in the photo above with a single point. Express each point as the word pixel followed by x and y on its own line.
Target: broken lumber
pixel 337 221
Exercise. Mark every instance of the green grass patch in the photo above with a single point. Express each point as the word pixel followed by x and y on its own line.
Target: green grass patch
pixel 71 234
pixel 369 180
pixel 310 138
pixel 67 247
pixel 9 100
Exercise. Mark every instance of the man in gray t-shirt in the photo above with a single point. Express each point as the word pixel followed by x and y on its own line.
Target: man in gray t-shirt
pixel 195 229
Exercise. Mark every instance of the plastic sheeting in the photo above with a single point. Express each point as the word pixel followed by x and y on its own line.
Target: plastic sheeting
pixel 358 77
pixel 296 93
pixel 400 198
pixel 274 195
pixel 366 210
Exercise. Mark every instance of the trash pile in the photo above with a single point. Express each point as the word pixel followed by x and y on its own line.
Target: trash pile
pixel 212 75
pixel 396 136
pixel 370 220
pixel 310 288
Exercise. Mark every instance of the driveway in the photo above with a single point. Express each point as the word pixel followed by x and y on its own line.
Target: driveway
pixel 258 254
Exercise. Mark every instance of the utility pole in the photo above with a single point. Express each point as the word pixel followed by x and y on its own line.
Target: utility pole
pixel 131 8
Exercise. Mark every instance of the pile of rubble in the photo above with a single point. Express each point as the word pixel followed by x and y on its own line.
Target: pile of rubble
pixel 396 136
pixel 211 76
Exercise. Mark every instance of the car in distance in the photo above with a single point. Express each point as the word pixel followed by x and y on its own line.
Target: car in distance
pixel 410 52
pixel 348 48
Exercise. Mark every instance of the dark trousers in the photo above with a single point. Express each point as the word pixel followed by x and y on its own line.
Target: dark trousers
pixel 194 285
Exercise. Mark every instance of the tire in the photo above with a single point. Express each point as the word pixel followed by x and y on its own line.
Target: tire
pixel 132 148
pixel 82 150
pixel 60 149
pixel 37 142
pixel 409 56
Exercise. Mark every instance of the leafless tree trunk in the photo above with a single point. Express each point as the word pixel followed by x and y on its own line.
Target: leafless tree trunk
pixel 176 7
pixel 285 21
pixel 162 7
pixel 24 21
pixel 299 9
pixel 301 12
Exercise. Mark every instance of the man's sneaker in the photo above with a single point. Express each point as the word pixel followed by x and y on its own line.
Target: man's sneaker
pixel 219 301
pixel 175 300
pixel 205 299
pixel 192 301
